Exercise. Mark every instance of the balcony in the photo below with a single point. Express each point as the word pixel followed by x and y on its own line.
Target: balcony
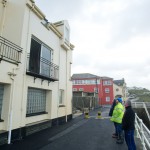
pixel 42 68
pixel 9 51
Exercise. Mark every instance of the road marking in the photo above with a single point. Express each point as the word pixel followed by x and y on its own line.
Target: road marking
pixel 96 117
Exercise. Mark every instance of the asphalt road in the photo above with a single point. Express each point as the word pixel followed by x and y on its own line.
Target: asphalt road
pixel 78 134
pixel 87 134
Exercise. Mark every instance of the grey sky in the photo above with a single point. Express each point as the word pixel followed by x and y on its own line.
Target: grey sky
pixel 111 37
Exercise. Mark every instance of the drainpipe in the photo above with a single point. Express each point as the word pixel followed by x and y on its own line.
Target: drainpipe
pixel 58 86
pixel 101 82
pixel 66 87
pixel 12 75
pixel 4 2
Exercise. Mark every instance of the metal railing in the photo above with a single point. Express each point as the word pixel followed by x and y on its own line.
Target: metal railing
pixel 43 69
pixel 9 51
pixel 142 132
pixel 144 105
pixel 140 104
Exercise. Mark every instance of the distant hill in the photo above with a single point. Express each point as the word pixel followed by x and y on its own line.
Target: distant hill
pixel 142 93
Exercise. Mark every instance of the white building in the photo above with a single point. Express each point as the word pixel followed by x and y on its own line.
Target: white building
pixel 35 70
pixel 120 89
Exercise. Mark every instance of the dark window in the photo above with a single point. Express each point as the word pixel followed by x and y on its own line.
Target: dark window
pixel 35 52
pixel 40 58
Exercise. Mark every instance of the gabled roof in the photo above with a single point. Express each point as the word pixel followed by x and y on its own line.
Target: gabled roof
pixel 103 78
pixel 88 76
pixel 119 82
pixel 84 76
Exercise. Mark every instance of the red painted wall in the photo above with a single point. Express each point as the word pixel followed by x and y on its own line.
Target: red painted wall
pixel 104 94
pixel 101 94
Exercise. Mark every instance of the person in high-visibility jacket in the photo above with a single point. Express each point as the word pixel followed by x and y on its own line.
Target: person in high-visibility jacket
pixel 117 116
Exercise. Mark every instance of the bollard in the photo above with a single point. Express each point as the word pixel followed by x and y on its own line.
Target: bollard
pixel 99 115
pixel 86 115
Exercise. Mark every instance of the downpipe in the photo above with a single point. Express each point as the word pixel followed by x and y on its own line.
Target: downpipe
pixel 10 119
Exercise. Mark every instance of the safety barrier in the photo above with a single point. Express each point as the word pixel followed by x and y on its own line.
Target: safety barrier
pixel 142 132
pixel 86 113
pixel 144 105
pixel 99 115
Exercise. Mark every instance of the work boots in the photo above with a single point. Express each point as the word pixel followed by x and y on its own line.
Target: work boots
pixel 114 135
pixel 120 139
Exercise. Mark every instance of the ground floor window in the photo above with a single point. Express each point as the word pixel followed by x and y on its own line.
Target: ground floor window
pixel 107 99
pixel 1 98
pixel 36 101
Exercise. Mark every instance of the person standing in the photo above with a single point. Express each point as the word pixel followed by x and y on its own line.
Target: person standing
pixel 117 116
pixel 114 135
pixel 128 125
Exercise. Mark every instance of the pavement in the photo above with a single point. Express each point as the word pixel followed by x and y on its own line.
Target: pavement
pixel 77 134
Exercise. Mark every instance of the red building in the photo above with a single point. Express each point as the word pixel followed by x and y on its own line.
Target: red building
pixel 102 86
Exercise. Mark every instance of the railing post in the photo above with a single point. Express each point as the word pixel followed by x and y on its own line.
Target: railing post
pixel 136 127
pixel 142 134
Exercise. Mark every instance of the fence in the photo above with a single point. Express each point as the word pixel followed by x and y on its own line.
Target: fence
pixel 143 133
pixel 145 105
pixel 80 103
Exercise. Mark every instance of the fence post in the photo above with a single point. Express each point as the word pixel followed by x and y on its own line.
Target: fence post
pixel 99 115
pixel 142 134
pixel 136 127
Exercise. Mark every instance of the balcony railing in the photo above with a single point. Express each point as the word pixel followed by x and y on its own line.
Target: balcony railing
pixel 9 51
pixel 43 69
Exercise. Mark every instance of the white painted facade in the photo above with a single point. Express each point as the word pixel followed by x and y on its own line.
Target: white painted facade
pixel 20 21
pixel 119 91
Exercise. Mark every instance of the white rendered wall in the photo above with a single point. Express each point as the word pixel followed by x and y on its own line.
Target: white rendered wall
pixel 20 24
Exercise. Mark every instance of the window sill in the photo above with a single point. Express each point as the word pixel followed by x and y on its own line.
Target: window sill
pixel 62 106
pixel 36 114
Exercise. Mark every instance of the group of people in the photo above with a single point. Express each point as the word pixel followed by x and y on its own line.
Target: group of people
pixel 123 117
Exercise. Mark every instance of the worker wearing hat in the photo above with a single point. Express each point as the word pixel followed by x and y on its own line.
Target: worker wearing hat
pixel 117 116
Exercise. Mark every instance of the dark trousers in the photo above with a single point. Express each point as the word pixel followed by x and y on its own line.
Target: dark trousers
pixel 115 128
pixel 120 132
pixel 129 138
pixel 119 128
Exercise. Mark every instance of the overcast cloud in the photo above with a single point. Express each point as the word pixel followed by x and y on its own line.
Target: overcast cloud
pixel 111 37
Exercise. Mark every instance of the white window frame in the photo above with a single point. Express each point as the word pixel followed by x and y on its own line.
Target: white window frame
pixel 96 90
pixel 81 89
pixel 36 103
pixel 61 97
pixel 74 89
pixel 107 99
pixel 44 68
pixel 107 82
pixel 107 90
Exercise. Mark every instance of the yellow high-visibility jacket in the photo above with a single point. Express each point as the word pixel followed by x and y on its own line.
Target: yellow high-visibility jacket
pixel 118 113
